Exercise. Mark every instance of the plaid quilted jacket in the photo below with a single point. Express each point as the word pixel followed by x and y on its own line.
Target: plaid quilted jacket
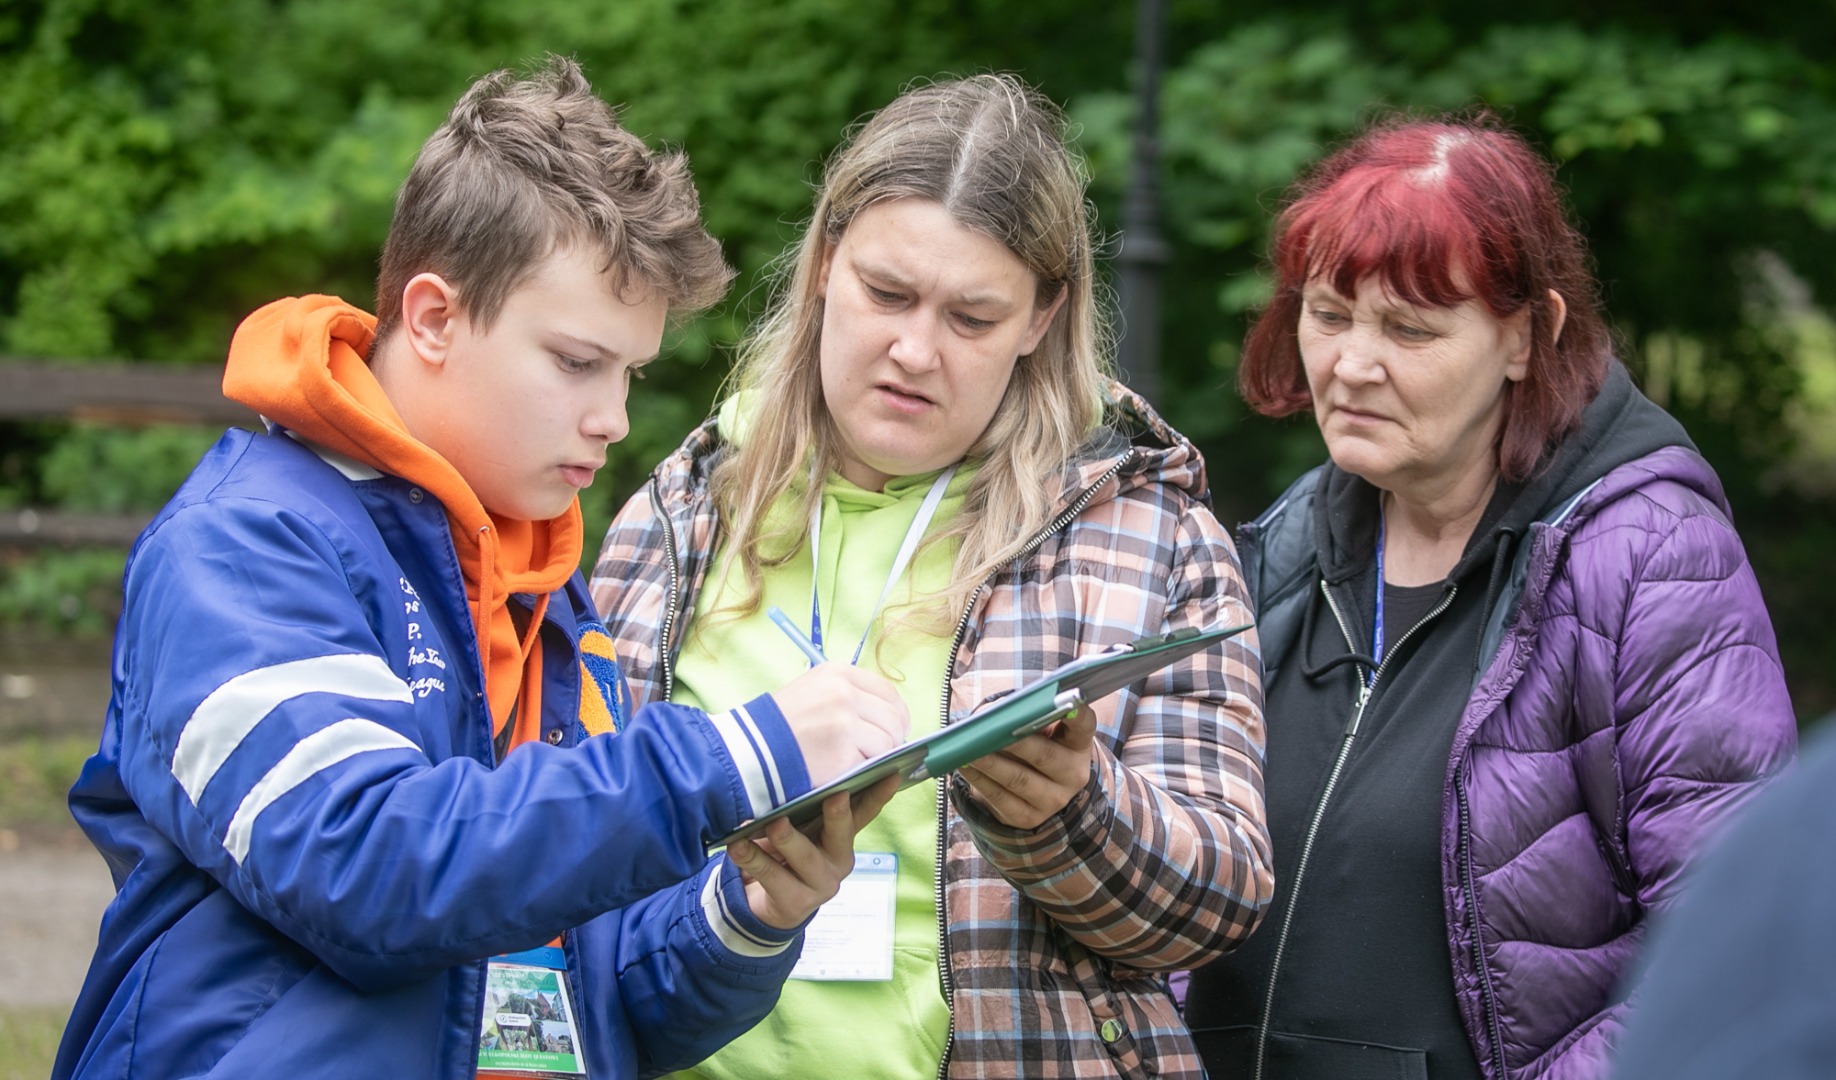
pixel 1055 941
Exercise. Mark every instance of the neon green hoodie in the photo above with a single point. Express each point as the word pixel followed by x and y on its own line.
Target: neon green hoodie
pixel 817 1028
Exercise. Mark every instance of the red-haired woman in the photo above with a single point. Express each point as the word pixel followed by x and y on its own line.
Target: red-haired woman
pixel 1517 665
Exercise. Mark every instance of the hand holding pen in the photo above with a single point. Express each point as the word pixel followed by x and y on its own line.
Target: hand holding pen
pixel 840 716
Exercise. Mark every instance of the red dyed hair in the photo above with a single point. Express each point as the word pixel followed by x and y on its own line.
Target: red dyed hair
pixel 1440 211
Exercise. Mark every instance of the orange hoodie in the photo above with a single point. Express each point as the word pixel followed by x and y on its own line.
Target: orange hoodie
pixel 300 363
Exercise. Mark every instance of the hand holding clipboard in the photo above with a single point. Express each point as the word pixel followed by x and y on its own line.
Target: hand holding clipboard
pixel 999 724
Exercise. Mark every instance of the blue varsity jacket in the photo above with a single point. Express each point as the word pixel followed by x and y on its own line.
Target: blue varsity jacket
pixel 314 851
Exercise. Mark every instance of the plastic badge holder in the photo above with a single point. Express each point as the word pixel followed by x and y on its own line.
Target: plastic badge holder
pixel 1053 696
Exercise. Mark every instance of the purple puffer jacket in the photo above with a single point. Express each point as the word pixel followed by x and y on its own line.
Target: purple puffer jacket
pixel 1634 698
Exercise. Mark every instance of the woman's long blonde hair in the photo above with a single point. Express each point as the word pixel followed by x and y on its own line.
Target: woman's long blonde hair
pixel 992 152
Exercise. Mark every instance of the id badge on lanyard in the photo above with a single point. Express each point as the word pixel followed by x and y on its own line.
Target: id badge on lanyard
pixel 528 1027
pixel 852 935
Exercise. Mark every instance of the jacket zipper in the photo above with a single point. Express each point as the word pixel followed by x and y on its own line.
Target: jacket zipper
pixel 1366 687
pixel 1469 886
pixel 675 588
pixel 937 878
pixel 962 629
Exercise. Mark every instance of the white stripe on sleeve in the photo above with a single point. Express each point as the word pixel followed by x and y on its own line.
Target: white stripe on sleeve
pixel 727 928
pixel 232 710
pixel 751 754
pixel 311 755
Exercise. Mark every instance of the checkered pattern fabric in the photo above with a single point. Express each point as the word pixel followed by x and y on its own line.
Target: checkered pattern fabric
pixel 1057 940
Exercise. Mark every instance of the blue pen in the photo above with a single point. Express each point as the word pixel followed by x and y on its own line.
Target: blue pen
pixel 804 644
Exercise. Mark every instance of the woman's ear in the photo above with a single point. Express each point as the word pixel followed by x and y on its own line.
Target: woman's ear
pixel 430 317
pixel 822 272
pixel 1558 316
pixel 1042 321
pixel 1520 325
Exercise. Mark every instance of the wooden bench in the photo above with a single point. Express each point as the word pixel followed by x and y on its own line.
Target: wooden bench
pixel 130 393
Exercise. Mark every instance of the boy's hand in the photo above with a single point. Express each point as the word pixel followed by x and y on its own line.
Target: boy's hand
pixel 789 875
pixel 1026 784
pixel 841 717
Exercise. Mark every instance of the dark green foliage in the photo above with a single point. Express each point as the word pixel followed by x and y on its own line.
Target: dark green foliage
pixel 1682 162
pixel 1702 167
pixel 170 167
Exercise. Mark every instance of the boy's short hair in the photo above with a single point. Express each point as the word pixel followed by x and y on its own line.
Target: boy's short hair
pixel 522 167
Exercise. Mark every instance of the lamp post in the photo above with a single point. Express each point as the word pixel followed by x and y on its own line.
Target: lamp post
pixel 1143 251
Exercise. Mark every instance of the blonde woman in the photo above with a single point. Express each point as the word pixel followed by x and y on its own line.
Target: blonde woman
pixel 922 461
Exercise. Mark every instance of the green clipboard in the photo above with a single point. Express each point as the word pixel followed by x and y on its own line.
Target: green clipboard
pixel 1050 697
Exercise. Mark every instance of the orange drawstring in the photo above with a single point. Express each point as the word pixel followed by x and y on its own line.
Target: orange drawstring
pixel 529 707
pixel 516 690
pixel 482 622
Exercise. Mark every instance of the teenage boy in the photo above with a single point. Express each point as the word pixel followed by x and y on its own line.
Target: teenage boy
pixel 366 783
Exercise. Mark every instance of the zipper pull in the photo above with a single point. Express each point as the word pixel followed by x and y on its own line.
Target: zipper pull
pixel 1364 695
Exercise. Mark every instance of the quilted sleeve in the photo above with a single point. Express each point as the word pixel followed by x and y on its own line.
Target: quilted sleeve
pixel 1699 697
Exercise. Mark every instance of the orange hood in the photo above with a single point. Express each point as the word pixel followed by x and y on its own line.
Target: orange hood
pixel 300 363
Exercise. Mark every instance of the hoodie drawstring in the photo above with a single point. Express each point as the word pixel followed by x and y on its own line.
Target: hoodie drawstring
pixel 1309 671
pixel 481 616
pixel 518 718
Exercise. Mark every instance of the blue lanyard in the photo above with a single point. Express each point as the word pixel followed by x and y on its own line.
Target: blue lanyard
pixel 1377 631
pixel 913 534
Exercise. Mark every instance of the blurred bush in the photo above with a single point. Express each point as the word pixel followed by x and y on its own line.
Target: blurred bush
pixel 171 167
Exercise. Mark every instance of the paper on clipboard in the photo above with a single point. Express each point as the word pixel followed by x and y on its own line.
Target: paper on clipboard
pixel 999 724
